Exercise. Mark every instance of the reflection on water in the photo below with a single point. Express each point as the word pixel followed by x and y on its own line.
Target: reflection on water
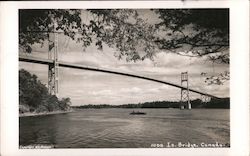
pixel 111 128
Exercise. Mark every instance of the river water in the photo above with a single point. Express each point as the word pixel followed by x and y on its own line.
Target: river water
pixel 115 128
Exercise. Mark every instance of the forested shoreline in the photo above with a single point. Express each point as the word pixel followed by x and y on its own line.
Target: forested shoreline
pixel 34 97
pixel 222 103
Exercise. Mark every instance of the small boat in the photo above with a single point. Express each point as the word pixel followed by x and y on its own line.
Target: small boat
pixel 138 113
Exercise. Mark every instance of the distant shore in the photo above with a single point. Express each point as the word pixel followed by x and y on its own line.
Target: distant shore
pixel 44 113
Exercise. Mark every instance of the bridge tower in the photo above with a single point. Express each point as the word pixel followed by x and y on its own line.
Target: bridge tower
pixel 53 71
pixel 185 101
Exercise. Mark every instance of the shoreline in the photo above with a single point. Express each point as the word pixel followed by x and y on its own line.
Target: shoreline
pixel 145 108
pixel 29 114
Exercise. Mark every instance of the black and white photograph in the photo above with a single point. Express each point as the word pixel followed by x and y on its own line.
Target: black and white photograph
pixel 135 78
pixel 124 78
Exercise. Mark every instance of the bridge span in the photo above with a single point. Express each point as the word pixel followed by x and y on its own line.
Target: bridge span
pixel 77 66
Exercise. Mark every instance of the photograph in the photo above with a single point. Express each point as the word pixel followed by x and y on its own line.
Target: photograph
pixel 124 78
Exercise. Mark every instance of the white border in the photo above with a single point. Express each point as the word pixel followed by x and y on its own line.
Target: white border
pixel 239 83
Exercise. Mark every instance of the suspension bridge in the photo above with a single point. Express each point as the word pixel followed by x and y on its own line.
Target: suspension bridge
pixel 53 78
pixel 53 75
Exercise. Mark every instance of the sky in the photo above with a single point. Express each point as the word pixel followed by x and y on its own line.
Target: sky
pixel 89 87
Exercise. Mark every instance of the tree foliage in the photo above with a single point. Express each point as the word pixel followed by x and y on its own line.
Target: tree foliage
pixel 34 96
pixel 125 31
pixel 31 90
pixel 195 32
pixel 189 32
pixel 120 29
pixel 35 25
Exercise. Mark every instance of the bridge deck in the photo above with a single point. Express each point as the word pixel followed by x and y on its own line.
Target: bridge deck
pixel 76 66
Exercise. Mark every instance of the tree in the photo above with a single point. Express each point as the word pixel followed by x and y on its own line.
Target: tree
pixel 120 29
pixel 53 103
pixel 64 103
pixel 36 25
pixel 195 32
pixel 126 31
pixel 34 96
pixel 30 89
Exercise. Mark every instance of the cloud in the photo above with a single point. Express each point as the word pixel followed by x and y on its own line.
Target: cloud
pixel 102 93
pixel 134 90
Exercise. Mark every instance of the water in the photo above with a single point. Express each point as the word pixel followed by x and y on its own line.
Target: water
pixel 115 128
